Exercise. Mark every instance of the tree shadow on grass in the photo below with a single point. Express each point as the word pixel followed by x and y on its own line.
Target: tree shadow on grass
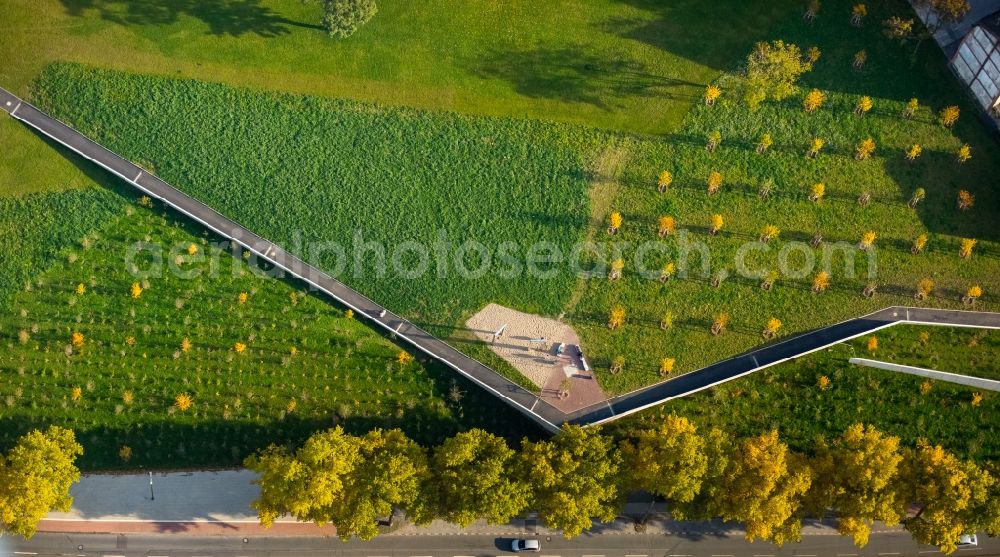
pixel 223 17
pixel 570 75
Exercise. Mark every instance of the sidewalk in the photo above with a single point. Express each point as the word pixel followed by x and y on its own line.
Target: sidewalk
pixel 218 503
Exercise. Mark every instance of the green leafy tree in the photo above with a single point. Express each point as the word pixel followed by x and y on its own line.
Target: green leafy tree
pixel 772 71
pixel 718 451
pixel 389 473
pixel 473 479
pixel 307 484
pixel 35 477
pixel 342 18
pixel 573 478
pixel 668 461
pixel 857 476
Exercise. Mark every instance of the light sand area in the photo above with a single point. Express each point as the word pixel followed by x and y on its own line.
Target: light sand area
pixel 539 361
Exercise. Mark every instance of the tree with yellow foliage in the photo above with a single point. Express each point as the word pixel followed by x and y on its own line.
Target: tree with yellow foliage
pixel 965 247
pixel 857 476
pixel 717 224
pixel 81 289
pixel 185 344
pixel 35 478
pixel 812 55
pixel 712 92
pixel 860 57
pixel 948 116
pixel 769 232
pixel 972 295
pixel 965 200
pixel 858 13
pixel 666 366
pixel 666 226
pixel 667 272
pixel 867 240
pixel 821 282
pixel 616 318
pixel 719 323
pixel 917 197
pixel 954 497
pixel 814 147
pixel 772 328
pixel 664 181
pixel 924 288
pixel 714 138
pixel 239 347
pixel 919 243
pixel 863 105
pixel 192 249
pixel 183 402
pixel 911 108
pixel 403 357
pixel 136 290
pixel 813 100
pixel 816 192
pixel 614 222
pixel 913 152
pixel 864 149
pixel 77 339
pixel 714 182
pixel 668 460
pixel 872 344
pixel 763 487
pixel 964 153
pixel 824 383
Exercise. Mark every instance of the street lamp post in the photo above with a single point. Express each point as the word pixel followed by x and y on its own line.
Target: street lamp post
pixel 151 496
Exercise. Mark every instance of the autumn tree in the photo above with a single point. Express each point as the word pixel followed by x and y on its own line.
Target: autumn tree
pixel 473 478
pixel 616 318
pixel 712 92
pixel 898 28
pixel 911 108
pixel 814 100
pixel 717 224
pixel 965 247
pixel 667 366
pixel 666 226
pixel 614 222
pixel 668 461
pixel 772 71
pixel 863 106
pixel 763 487
pixel 664 181
pixel 864 149
pixel 918 195
pixel 860 57
pixel 858 13
pixel 719 323
pixel 814 147
pixel 35 477
pixel 919 243
pixel 964 153
pixel 816 192
pixel 867 240
pixel 948 116
pixel 714 182
pixel 856 475
pixel 965 200
pixel 713 138
pixel 972 295
pixel 617 266
pixel 913 151
pixel 953 497
pixel 772 328
pixel 573 478
pixel 769 232
pixel 924 288
pixel 821 281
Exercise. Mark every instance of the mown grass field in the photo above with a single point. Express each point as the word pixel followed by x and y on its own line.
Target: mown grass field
pixel 788 396
pixel 304 365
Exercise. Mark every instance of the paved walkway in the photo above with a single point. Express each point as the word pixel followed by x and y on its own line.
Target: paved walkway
pixel 967 380
pixel 526 402
pixel 200 503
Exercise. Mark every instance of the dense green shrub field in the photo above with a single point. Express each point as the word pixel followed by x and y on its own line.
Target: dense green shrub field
pixel 38 229
pixel 304 365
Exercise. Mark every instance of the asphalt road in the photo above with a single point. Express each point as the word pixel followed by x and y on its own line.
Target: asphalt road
pixel 629 545
pixel 524 401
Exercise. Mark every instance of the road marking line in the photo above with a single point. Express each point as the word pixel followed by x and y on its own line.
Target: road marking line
pixel 24 552
pixel 889 553
pixel 847 555
pixel 722 555
pixel 12 113
pixel 137 176
pixel 636 555
pixel 930 551
pixel 763 555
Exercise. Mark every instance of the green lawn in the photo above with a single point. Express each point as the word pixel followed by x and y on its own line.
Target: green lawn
pixel 788 397
pixel 952 349
pixel 341 371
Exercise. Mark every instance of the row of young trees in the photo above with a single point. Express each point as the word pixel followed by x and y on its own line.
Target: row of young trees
pixel 581 474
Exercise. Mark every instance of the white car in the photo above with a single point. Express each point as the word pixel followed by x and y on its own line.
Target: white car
pixel 524 545
pixel 968 540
